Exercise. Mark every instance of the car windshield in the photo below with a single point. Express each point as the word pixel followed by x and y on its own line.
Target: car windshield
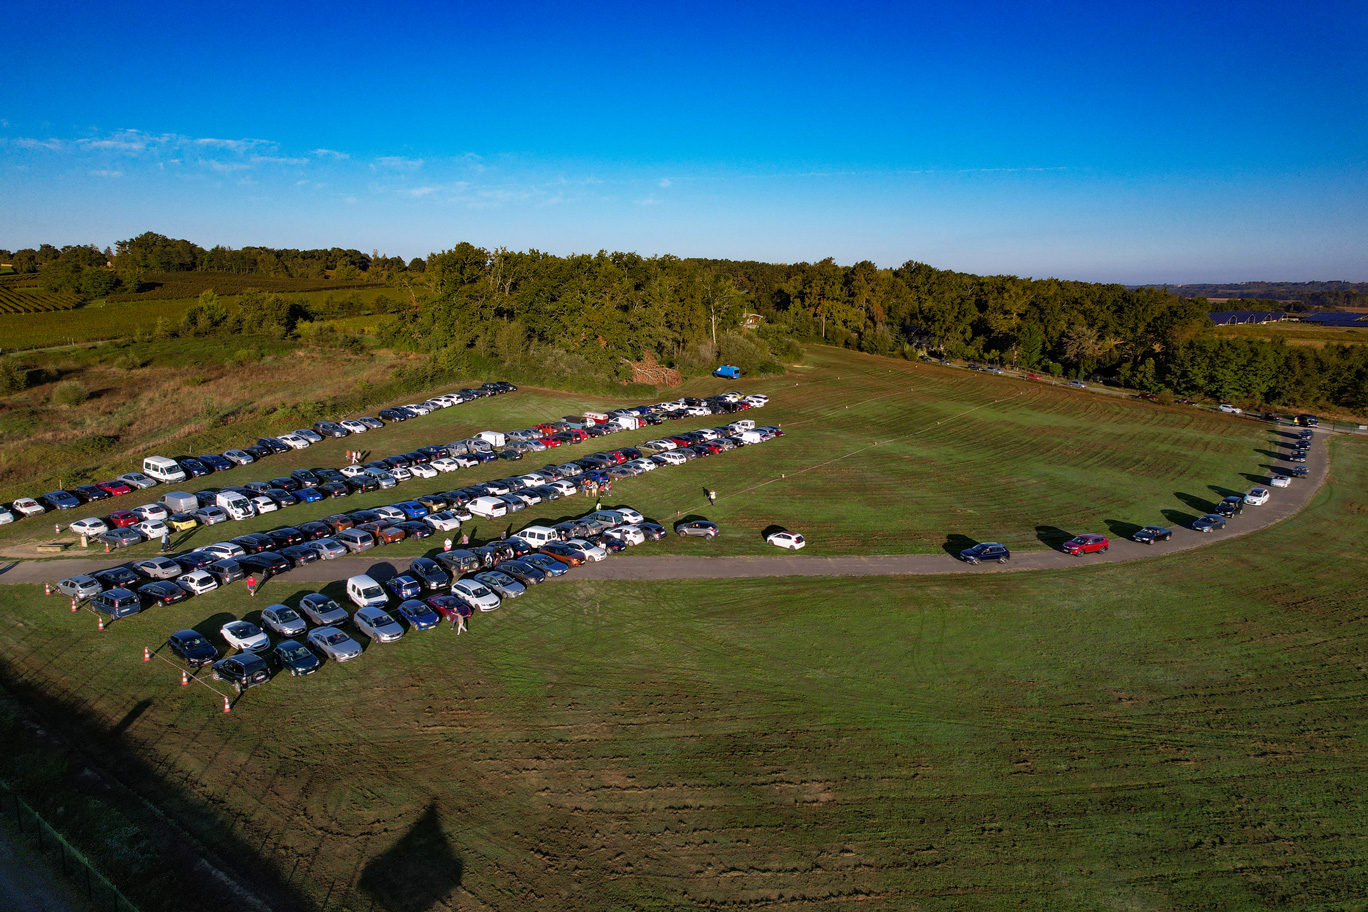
pixel 194 642
pixel 285 615
pixel 241 628
pixel 478 591
pixel 333 639
pixel 371 592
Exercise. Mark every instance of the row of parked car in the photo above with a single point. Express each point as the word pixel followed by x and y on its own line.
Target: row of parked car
pixel 450 587
pixel 164 470
pixel 1230 506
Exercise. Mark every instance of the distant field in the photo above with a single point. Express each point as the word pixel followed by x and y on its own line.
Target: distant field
pixel 172 285
pixel 1297 334
pixel 959 455
pixel 1167 735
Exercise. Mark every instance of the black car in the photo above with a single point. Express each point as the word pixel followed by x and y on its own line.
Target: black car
pixel 329 429
pixel 242 671
pixel 295 657
pixel 1230 506
pixel 459 562
pixel 417 457
pixel 193 467
pixel 524 572
pixel 215 462
pixel 286 483
pixel 306 478
pixel 254 542
pixel 429 573
pixel 162 592
pixel 274 444
pixel 120 577
pixel 323 475
pixel 194 560
pixel 192 647
pixel 363 483
pixel 335 489
pixel 1151 534
pixel 414 529
pixel 1308 421
pixel 281 498
pixel 299 555
pixel 264 564
pixel 986 551
pixel 261 452
pixel 225 571
pixel 286 536
pixel 88 493
pixel 1300 471
pixel 313 531
pixel 393 415
pixel 365 516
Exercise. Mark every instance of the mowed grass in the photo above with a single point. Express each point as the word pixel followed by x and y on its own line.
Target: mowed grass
pixel 960 456
pixel 1180 734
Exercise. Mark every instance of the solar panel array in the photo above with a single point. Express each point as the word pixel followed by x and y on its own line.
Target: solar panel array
pixel 1231 317
pixel 1355 320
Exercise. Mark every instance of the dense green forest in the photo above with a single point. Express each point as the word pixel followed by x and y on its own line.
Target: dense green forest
pixel 567 317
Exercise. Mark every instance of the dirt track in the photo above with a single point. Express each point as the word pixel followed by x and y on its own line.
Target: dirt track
pixel 1285 502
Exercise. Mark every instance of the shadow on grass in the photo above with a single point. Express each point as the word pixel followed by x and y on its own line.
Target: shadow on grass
pixel 1052 537
pixel 1271 454
pixel 130 717
pixel 770 530
pixel 209 629
pixel 1199 504
pixel 1179 518
pixel 1121 528
pixel 955 543
pixel 1257 479
pixel 1222 491
pixel 417 873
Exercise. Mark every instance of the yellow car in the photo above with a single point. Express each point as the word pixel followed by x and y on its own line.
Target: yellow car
pixel 181 522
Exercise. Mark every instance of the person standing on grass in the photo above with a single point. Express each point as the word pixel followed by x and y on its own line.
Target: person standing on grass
pixel 712 497
pixel 166 542
pixel 251 585
pixel 446 545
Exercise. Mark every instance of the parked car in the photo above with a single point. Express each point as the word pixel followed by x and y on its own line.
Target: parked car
pixel 1231 505
pixel 322 610
pixel 120 538
pixel 986 551
pixel 429 573
pixel 27 506
pixel 117 603
pixel 696 528
pixel 334 644
pixel 523 571
pixel 61 500
pixel 1229 409
pixel 1151 534
pixel 1086 544
pixel 245 635
pixel 295 657
pixel 242 671
pixel 475 594
pixel 377 624
pixel 1209 522
pixel 225 570
pixel 790 540
pixel 197 582
pixel 1257 497
pixel 193 649
pixel 1280 481
pixel 504 585
pixel 137 480
pixel 158 568
pixel 419 615
pixel 89 527
pixel 162 592
pixel 284 620
pixel 80 587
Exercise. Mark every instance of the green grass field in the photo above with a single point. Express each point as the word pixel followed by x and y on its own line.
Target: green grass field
pixel 1184 734
pixel 1307 334
pixel 959 454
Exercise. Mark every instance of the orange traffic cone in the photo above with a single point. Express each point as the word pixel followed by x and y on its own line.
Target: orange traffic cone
pixel 99 624
pixel 47 588
pixel 147 654
pixel 73 606
pixel 227 707
pixel 185 678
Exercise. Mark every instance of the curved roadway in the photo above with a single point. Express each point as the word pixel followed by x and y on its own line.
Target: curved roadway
pixel 1285 502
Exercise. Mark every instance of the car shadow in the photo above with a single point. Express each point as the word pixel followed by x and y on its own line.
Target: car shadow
pixel 1122 529
pixel 1195 502
pixel 382 571
pixel 955 543
pixel 1178 517
pixel 1257 479
pixel 1222 491
pixel 1052 537
pixel 770 530
pixel 692 517
pixel 1271 454
pixel 209 629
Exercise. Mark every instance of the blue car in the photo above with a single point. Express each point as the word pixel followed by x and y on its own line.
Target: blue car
pixel 418 615
pixel 412 509
pixel 404 587
pixel 215 462
pixel 484 457
pixel 193 467
pixel 61 500
pixel 308 495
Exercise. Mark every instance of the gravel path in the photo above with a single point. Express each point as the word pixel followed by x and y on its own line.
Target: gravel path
pixel 1285 502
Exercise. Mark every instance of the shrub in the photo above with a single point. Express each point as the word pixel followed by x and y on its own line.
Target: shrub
pixel 13 378
pixel 69 393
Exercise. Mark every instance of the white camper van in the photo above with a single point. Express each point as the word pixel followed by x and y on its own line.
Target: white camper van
pixel 163 469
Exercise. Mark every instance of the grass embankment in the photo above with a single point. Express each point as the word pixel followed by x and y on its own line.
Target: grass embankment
pixel 1174 735
pixel 959 455
pixel 1308 334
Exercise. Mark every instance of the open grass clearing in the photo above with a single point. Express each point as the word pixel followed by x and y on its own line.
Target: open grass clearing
pixel 1165 735
pixel 1308 334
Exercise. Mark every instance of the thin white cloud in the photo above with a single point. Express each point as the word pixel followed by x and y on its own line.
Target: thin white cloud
pixel 329 153
pixel 50 145
pixel 224 167
pixel 396 163
pixel 663 182
pixel 278 160
pixel 232 145
pixel 106 172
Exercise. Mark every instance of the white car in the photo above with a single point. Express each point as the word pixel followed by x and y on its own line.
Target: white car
pixel 757 400
pixel 294 441
pixel 475 594
pixel 645 465
pixel 662 446
pixel 629 516
pixel 566 488
pixel 377 624
pixel 197 582
pixel 631 535
pixel 152 529
pixel 398 473
pixel 29 507
pixel 422 471
pixel 418 409
pixel 698 411
pixel 6 517
pixel 138 480
pixel 674 458
pixel 224 550
pixel 329 548
pixel 445 464
pixel 1230 409
pixel 444 521
pixel 152 511
pixel 1280 481
pixel 532 479
pixel 284 620
pixel 391 514
pixel 791 540
pixel 264 504
pixel 353 425
pixel 351 471
pixel 311 436
pixel 245 635
pixel 89 527
pixel 1257 497
pixel 591 551
pixel 239 457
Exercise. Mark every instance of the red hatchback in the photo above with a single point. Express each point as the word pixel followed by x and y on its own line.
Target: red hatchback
pixel 550 442
pixel 122 519
pixel 1086 544
pixel 114 487
pixel 448 606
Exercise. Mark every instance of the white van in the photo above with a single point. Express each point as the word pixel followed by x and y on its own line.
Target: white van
pixel 745 424
pixel 487 507
pixel 749 437
pixel 536 536
pixel 163 469
pixel 493 438
pixel 627 422
pixel 593 418
pixel 234 504
pixel 365 592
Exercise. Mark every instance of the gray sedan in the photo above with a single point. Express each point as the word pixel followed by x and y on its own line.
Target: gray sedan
pixel 80 587
pixel 334 644
pixel 378 625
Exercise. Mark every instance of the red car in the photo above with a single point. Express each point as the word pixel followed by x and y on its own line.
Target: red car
pixel 448 606
pixel 1086 544
pixel 550 442
pixel 579 435
pixel 122 519
pixel 114 487
pixel 547 428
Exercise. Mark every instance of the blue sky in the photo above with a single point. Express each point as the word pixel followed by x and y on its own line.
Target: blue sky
pixel 1179 142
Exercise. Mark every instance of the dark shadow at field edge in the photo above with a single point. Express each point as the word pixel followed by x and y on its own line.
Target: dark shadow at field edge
pixel 1179 518
pixel 1199 504
pixel 1052 536
pixel 1222 491
pixel 955 543
pixel 1121 528
pixel 101 765
pixel 416 873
